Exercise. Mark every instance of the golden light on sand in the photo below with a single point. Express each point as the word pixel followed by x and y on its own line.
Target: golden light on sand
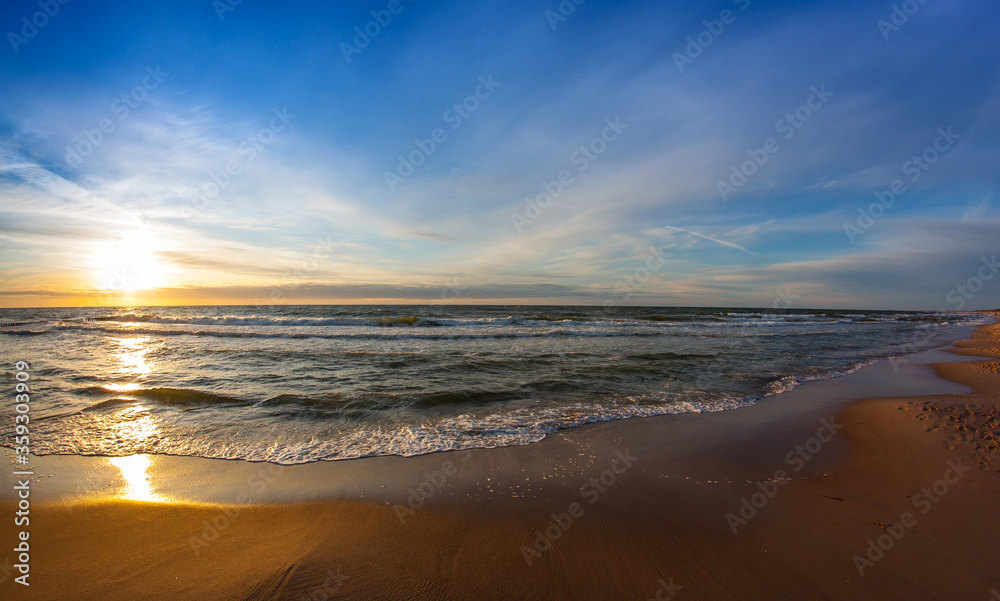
pixel 135 425
pixel 134 470
pixel 129 263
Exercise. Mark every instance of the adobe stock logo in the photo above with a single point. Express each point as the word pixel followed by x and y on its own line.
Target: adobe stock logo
pixel 797 458
pixel 916 167
pixel 899 17
pixel 581 158
pixel 122 107
pixel 248 150
pixel 455 117
pixel 562 522
pixel 30 28
pixel 703 39
pixel 787 126
pixel 964 292
pixel 566 8
pixel 371 30
pixel 924 501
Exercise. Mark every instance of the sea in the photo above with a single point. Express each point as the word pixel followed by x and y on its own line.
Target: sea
pixel 297 384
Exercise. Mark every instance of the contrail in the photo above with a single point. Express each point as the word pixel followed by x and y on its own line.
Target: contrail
pixel 722 242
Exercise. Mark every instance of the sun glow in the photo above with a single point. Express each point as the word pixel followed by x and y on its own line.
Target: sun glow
pixel 131 355
pixel 134 425
pixel 129 263
pixel 134 471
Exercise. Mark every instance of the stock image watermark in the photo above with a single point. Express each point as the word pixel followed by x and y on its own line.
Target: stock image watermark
pixel 787 126
pixel 450 292
pixel 666 590
pixel 915 168
pixel 899 16
pixel 631 283
pixel 923 501
pixel 331 586
pixel 293 278
pixel 961 293
pixel 796 459
pixel 247 151
pixel 784 297
pixel 582 158
pixel 454 117
pixel 225 6
pixel 6 569
pixel 212 529
pixel 429 487
pixel 22 472
pixel 363 35
pixel 916 342
pixel 37 21
pixel 714 29
pixel 91 139
pixel 562 12
pixel 591 491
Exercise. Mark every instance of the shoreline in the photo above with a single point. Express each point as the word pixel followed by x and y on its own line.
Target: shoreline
pixel 627 507
pixel 95 478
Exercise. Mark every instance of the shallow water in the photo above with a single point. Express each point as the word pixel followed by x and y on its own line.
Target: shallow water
pixel 293 384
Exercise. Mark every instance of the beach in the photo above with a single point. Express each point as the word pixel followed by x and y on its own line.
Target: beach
pixel 810 494
pixel 457 301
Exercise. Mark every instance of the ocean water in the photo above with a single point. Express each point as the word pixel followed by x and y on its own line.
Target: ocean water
pixel 294 384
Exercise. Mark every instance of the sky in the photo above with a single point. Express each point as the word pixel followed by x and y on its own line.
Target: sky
pixel 737 153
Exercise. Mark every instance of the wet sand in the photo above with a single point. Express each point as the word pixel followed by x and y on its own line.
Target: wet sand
pixel 805 495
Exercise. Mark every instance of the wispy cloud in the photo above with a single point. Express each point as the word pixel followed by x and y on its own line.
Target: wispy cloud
pixel 226 211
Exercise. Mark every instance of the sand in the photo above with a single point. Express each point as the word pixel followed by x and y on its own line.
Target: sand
pixel 786 499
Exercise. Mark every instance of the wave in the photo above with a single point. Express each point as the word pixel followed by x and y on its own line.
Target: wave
pixel 569 317
pixel 349 321
pixel 168 396
pixel 24 332
pixel 684 318
pixel 466 431
pixel 366 439
pixel 533 320
pixel 363 335
pixel 406 320
pixel 788 383
pixel 112 404
pixel 336 426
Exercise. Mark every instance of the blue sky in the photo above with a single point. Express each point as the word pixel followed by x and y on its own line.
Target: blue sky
pixel 146 212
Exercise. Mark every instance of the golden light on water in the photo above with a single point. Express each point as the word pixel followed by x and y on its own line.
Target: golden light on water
pixel 122 387
pixel 134 425
pixel 131 355
pixel 135 471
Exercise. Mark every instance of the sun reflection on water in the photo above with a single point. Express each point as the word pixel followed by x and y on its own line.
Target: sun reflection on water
pixel 132 356
pixel 134 426
pixel 122 387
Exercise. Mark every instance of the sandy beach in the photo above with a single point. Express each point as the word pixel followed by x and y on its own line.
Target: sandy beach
pixel 805 495
pixel 449 301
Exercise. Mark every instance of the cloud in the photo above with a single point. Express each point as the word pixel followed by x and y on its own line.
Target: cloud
pixel 433 236
pixel 308 209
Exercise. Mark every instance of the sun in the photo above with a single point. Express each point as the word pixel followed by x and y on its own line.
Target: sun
pixel 129 263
